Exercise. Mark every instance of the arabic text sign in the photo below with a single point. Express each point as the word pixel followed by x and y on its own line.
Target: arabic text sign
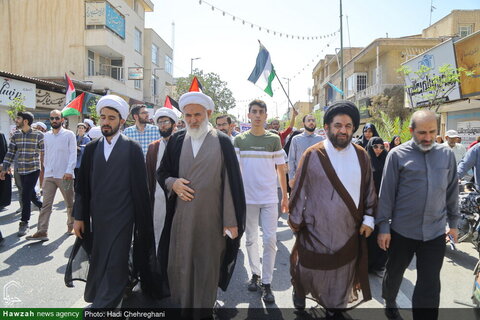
pixel 95 13
pixel 11 89
pixel 135 73
pixel 115 21
pixel 434 59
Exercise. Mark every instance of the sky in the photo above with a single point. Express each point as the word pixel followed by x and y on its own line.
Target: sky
pixel 229 48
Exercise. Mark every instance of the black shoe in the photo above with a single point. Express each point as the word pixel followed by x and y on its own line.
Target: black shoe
pixel 392 313
pixel 254 283
pixel 22 229
pixel 267 294
pixel 298 303
pixel 2 240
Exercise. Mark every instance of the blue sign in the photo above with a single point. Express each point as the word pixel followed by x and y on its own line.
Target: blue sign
pixel 115 21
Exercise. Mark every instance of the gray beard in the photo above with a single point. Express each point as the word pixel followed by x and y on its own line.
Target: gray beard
pixel 198 132
pixel 423 148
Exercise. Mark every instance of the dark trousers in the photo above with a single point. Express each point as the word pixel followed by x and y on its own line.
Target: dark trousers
pixel 426 295
pixel 28 193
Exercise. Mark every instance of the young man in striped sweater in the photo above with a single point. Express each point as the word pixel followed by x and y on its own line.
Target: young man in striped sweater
pixel 261 159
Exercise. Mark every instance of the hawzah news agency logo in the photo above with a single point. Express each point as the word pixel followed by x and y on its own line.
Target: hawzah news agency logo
pixel 9 297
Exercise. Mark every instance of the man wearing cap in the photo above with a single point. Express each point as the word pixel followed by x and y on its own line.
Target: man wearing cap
pixel 166 120
pixel 142 131
pixel 112 196
pixel 40 126
pixel 205 208
pixel 451 141
pixel 418 198
pixel 28 145
pixel 59 164
pixel 329 259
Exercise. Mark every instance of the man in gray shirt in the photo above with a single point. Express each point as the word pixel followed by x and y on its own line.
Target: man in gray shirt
pixel 300 143
pixel 419 194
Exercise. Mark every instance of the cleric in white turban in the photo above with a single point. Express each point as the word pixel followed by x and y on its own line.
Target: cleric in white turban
pixel 206 209
pixel 166 120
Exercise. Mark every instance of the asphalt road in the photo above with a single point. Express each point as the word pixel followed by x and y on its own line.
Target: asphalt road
pixel 31 274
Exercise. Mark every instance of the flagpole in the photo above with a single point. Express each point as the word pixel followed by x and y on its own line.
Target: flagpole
pixel 288 97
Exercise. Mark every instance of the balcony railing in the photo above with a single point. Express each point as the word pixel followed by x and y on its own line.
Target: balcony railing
pixel 114 72
pixel 374 90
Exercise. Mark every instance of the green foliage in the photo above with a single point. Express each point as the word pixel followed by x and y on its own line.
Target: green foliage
pixel 93 112
pixel 213 87
pixel 435 87
pixel 391 102
pixel 387 128
pixel 215 114
pixel 15 107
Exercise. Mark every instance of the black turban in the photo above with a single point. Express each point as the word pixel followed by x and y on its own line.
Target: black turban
pixel 343 107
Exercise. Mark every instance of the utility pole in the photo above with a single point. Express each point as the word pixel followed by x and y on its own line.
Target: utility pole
pixel 341 49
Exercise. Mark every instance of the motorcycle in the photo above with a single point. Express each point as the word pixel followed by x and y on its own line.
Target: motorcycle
pixel 469 207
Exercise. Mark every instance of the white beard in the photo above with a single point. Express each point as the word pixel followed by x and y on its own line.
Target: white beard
pixel 196 133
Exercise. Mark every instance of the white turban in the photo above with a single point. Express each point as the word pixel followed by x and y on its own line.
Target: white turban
pixel 41 124
pixel 95 132
pixel 89 123
pixel 114 102
pixel 196 98
pixel 165 112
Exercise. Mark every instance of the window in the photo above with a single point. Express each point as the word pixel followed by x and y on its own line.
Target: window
pixel 138 40
pixel 465 30
pixel 361 82
pixel 155 54
pixel 91 63
pixel 154 85
pixel 168 65
pixel 137 84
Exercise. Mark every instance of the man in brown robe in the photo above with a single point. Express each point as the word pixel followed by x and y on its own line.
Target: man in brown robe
pixel 331 211
pixel 205 209
pixel 166 120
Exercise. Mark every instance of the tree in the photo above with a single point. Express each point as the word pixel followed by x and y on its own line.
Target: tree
pixel 15 107
pixel 213 87
pixel 433 87
pixel 391 102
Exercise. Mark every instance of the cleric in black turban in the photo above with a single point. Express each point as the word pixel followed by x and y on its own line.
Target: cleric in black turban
pixel 343 107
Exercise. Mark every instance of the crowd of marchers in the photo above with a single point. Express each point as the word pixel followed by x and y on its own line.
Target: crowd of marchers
pixel 177 201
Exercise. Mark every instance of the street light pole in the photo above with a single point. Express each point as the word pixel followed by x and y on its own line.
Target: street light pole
pixel 288 86
pixel 191 64
pixel 341 49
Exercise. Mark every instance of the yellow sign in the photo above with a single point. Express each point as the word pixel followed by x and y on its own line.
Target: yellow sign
pixel 467 52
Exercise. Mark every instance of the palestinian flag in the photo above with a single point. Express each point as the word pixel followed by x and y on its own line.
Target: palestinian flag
pixel 74 108
pixel 170 103
pixel 195 86
pixel 263 73
pixel 70 91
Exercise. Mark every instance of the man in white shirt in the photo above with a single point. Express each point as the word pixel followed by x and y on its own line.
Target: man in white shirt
pixel 59 164
pixel 458 149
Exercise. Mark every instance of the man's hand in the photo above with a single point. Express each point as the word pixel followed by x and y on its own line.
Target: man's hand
pixel 454 233
pixel 383 240
pixel 185 193
pixel 366 230
pixel 295 112
pixel 78 228
pixel 233 231
pixel 2 175
pixel 67 176
pixel 284 204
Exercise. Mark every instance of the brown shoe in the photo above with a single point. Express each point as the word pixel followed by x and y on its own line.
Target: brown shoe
pixel 38 236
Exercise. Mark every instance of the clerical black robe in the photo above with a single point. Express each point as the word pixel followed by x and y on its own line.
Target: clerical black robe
pixel 113 196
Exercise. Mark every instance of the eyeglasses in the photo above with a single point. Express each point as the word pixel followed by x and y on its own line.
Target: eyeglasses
pixel 55 118
pixel 379 146
pixel 164 122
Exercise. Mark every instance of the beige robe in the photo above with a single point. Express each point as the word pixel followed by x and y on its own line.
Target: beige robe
pixel 197 244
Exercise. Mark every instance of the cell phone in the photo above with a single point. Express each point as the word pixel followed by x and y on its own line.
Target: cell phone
pixel 452 242
pixel 229 234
